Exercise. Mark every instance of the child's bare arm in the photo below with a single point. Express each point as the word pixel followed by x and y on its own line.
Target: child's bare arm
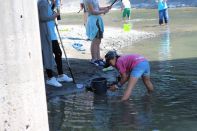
pixel 131 85
pixel 124 78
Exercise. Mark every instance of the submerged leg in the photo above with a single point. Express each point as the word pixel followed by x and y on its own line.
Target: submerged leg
pixel 148 83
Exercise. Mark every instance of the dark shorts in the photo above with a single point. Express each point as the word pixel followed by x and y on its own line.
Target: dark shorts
pixel 84 10
pixel 126 12
pixel 99 34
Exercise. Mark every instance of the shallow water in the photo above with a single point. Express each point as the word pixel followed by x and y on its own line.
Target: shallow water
pixel 172 107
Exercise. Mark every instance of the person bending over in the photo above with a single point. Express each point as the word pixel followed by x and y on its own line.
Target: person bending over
pixel 131 67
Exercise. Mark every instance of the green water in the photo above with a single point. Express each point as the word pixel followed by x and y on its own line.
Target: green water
pixel 172 107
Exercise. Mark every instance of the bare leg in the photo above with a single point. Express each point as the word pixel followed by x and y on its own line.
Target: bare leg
pixel 148 83
pixel 98 49
pixel 131 85
pixel 85 17
pixel 93 49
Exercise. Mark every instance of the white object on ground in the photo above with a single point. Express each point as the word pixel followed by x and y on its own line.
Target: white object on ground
pixel 108 68
pixel 78 46
pixel 79 86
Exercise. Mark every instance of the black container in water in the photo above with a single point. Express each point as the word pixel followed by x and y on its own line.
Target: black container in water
pixel 99 85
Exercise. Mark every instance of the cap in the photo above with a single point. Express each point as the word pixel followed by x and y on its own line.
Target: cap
pixel 110 55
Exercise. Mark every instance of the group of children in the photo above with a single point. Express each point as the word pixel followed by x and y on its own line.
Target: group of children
pixel 131 67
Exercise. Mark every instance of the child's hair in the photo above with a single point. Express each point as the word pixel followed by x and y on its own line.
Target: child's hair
pixel 110 55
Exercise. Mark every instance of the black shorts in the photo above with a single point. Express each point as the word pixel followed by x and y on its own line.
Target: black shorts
pixel 99 34
pixel 84 10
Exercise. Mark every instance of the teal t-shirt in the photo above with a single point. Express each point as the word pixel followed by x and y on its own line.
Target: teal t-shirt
pixel 51 25
pixel 162 5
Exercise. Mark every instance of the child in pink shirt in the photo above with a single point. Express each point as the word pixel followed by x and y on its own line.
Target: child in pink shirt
pixel 131 68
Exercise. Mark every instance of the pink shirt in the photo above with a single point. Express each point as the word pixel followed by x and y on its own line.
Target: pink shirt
pixel 128 62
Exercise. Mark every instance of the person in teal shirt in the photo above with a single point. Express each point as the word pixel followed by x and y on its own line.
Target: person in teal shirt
pixel 95 29
pixel 163 11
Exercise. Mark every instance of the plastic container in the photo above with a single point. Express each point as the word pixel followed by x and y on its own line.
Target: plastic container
pixel 127 27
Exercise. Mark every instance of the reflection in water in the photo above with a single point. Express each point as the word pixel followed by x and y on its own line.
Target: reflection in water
pixel 113 115
pixel 56 113
pixel 164 51
pixel 165 66
pixel 101 113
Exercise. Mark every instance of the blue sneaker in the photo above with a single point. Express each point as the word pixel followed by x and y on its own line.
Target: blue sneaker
pixel 94 62
pixel 98 62
pixel 101 62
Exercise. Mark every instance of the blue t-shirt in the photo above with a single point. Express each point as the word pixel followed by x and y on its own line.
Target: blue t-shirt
pixel 58 3
pixel 162 5
pixel 51 25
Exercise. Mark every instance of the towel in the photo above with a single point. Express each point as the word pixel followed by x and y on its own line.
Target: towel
pixel 78 47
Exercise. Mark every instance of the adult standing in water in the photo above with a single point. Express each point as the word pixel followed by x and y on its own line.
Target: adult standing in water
pixel 163 11
pixel 95 28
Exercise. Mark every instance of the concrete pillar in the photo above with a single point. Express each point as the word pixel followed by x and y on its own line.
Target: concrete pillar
pixel 22 91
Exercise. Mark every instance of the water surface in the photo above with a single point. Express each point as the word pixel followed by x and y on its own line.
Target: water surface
pixel 172 107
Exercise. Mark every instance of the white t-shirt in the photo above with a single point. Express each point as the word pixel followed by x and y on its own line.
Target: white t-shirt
pixel 126 3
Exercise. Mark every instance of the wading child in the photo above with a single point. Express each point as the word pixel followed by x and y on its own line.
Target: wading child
pixel 131 68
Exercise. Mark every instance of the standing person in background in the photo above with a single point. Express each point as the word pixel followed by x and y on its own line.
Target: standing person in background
pixel 163 11
pixel 126 9
pixel 46 21
pixel 85 13
pixel 95 28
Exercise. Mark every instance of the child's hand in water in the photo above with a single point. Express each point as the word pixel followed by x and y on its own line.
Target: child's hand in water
pixel 113 87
